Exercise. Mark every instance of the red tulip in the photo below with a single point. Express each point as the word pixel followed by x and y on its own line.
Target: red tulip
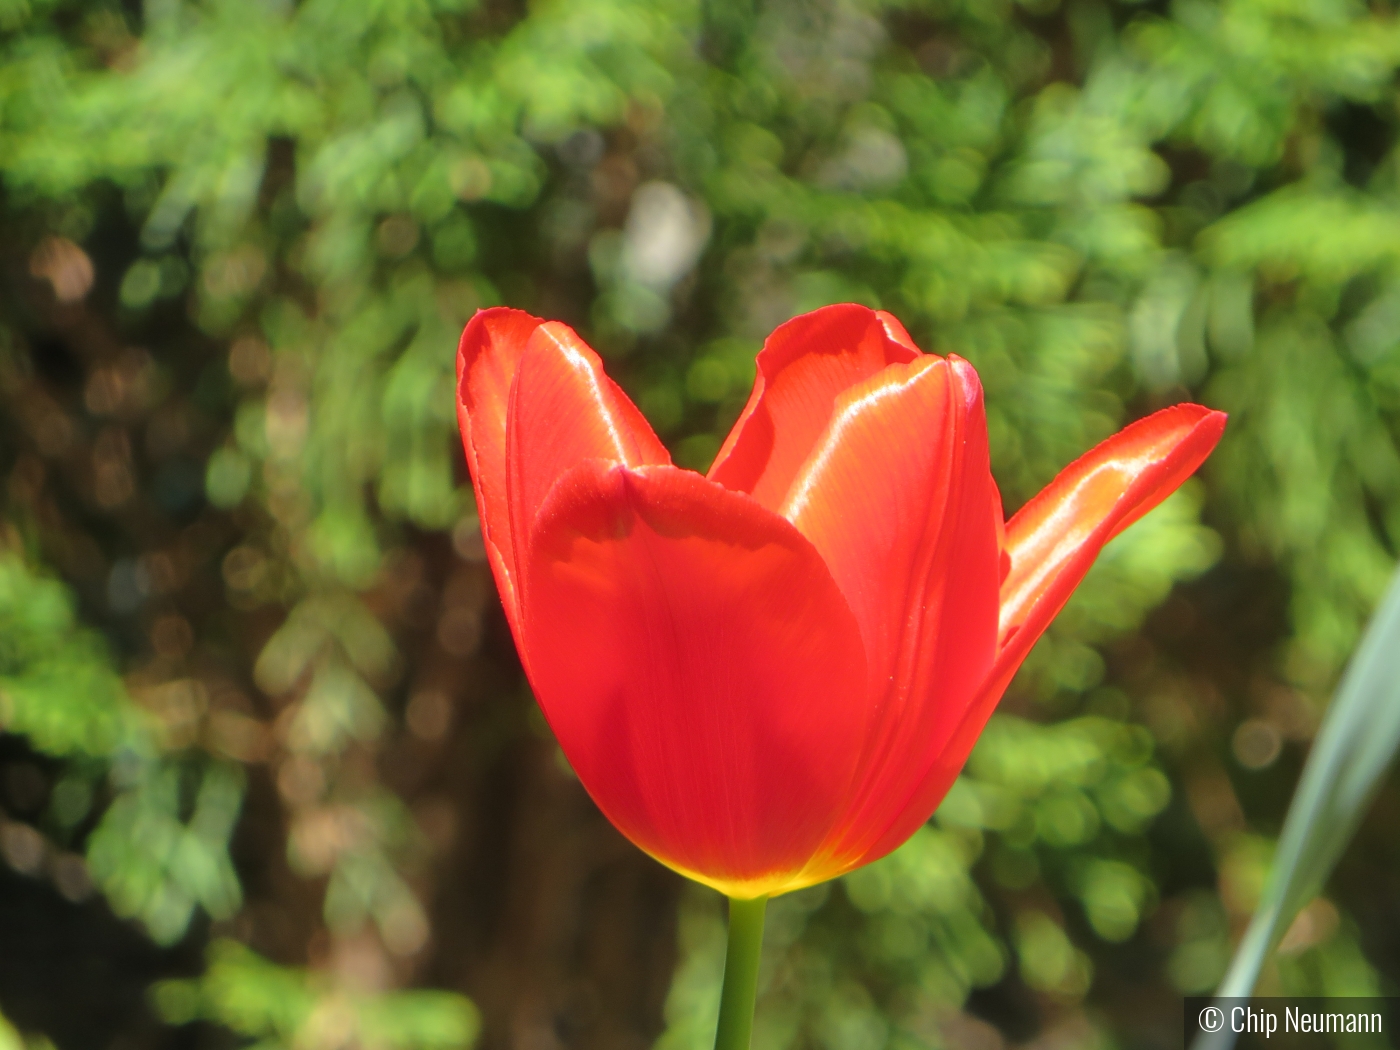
pixel 771 674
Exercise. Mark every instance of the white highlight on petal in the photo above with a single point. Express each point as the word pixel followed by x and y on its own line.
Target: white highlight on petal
pixel 580 363
pixel 801 492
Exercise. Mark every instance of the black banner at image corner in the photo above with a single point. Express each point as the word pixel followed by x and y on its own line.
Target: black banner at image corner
pixel 1290 1023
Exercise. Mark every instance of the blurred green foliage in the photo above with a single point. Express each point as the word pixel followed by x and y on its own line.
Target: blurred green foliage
pixel 251 675
pixel 281 1007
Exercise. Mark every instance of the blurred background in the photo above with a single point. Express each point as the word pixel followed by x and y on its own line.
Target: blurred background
pixel 270 773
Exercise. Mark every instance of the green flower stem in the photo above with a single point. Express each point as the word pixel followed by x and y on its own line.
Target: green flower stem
pixel 736 1001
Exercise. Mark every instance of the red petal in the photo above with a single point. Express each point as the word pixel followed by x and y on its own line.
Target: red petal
pixel 563 410
pixel 898 498
pixel 1055 537
pixel 487 356
pixel 1052 542
pixel 700 668
pixel 803 367
pixel 896 331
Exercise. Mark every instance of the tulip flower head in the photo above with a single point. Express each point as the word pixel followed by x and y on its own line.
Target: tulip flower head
pixel 770 674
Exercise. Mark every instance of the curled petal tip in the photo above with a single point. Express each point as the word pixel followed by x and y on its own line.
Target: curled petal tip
pixel 1054 538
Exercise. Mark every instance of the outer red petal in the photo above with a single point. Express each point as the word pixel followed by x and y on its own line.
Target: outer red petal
pixel 563 410
pixel 699 667
pixel 1052 542
pixel 803 367
pixel 899 500
pixel 487 357
pixel 1055 537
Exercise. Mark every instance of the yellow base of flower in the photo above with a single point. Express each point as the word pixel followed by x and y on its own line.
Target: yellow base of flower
pixel 817 870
